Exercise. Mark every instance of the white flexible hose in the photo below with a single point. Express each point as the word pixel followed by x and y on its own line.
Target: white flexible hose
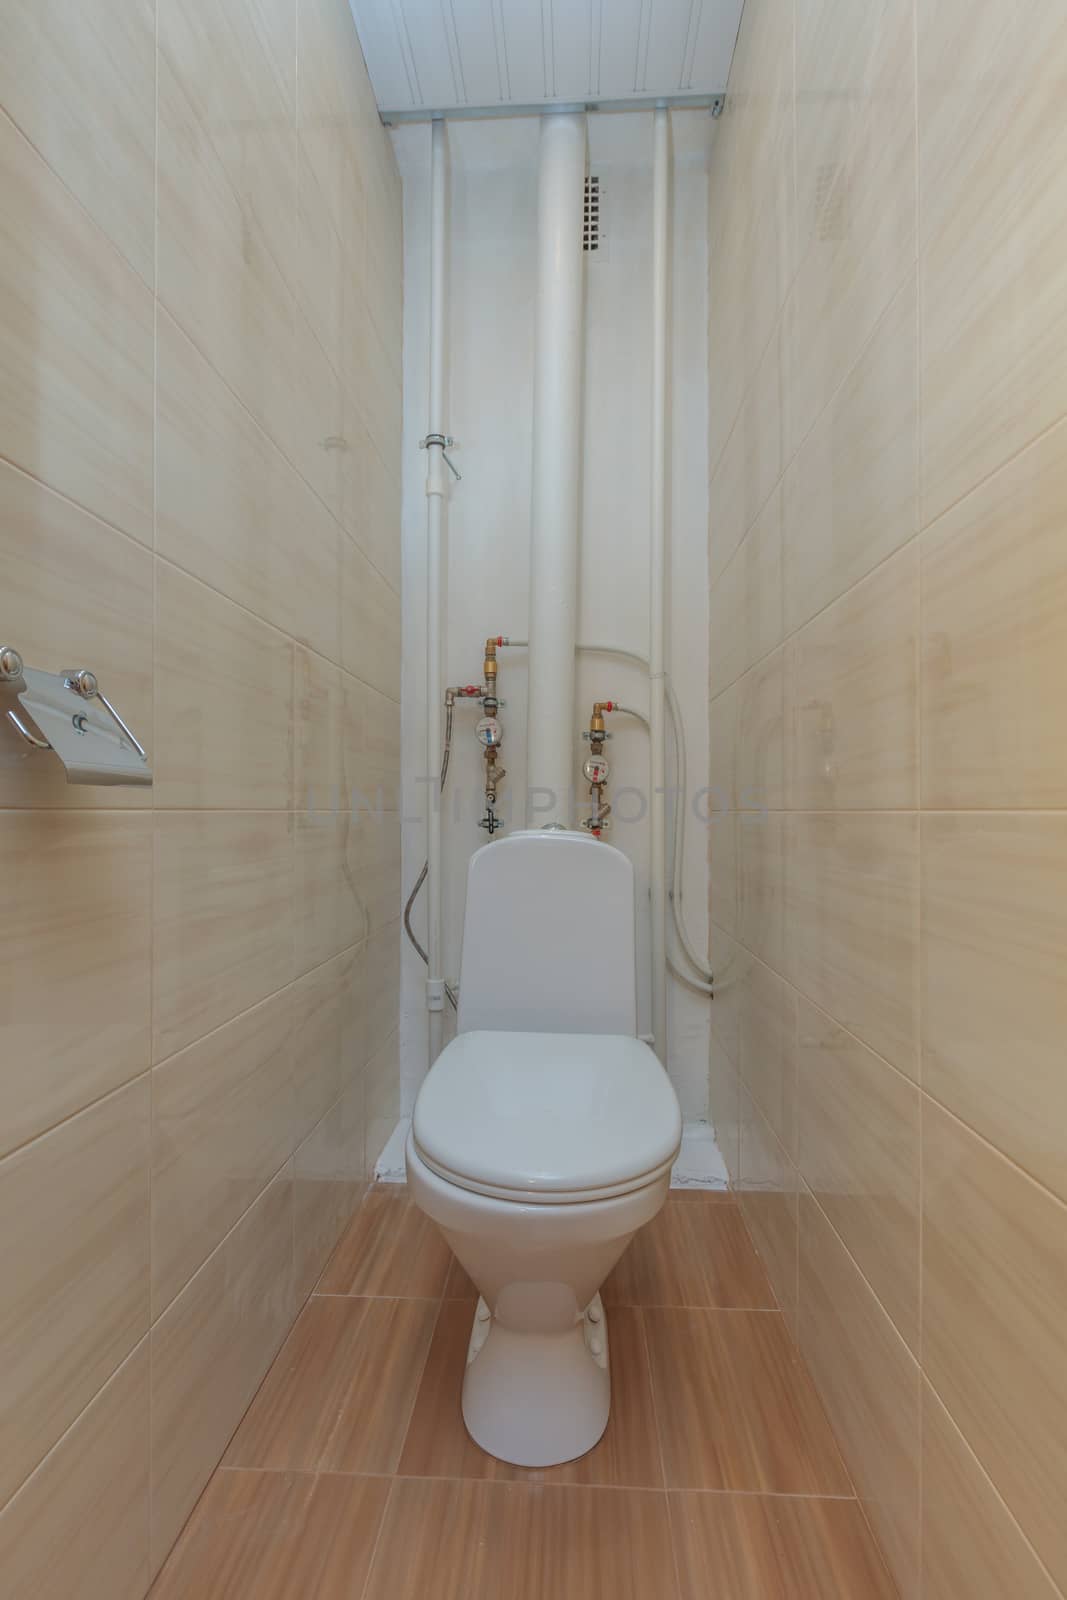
pixel 674 711
pixel 705 978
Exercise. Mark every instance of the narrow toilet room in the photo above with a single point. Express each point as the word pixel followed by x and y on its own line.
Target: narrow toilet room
pixel 533 800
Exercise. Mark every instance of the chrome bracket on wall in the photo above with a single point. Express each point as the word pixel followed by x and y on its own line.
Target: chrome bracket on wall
pixel 68 713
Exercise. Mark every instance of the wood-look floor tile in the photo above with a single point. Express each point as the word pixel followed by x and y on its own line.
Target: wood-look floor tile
pixel 736 1406
pixel 458 1285
pixel 276 1536
pixel 439 1446
pixel 480 1541
pixel 716 1197
pixel 755 1547
pixel 339 1396
pixel 691 1255
pixel 390 1248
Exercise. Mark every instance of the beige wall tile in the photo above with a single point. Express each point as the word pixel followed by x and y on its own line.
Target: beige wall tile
pixel 730 962
pixel 855 186
pixel 372 864
pixel 995 900
pixel 381 1099
pixel 318 716
pixel 994 234
pixel 722 870
pixel 760 884
pixel 322 289
pixel 994 1265
pixel 231 508
pixel 858 1152
pixel 852 886
pixel 269 370
pixel 330 134
pixel 81 86
pixel 328 1183
pixel 74 1268
pixel 319 423
pixel 994 579
pixel 80 1524
pixel 724 1107
pixel 372 1019
pixel 322 1010
pixel 761 736
pixel 971 1543
pixel 224 1120
pixel 223 933
pixel 330 912
pixel 236 67
pixel 869 1384
pixel 370 640
pixel 77 594
pixel 751 211
pixel 850 495
pixel 852 697
pixel 767 1055
pixel 752 459
pixel 210 1351
pixel 371 512
pixel 224 691
pixel 371 746
pixel 77 891
pixel 77 361
pixel 722 738
pixel 767 1188
pixel 216 275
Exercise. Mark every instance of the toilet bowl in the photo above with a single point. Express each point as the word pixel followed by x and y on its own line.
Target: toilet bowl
pixel 539 1149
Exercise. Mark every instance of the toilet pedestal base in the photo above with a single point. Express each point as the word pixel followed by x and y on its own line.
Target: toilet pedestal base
pixel 537 1399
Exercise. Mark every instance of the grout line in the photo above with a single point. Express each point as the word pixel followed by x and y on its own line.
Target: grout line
pixel 155 742
pixel 416 1388
pixel 925 1094
pixel 98 228
pixel 918 990
pixel 349 950
pixel 378 1536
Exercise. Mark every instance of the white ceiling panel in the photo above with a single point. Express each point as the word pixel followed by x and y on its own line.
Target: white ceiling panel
pixel 620 31
pixel 525 29
pixel 571 70
pixel 480 41
pixel 667 48
pixel 468 55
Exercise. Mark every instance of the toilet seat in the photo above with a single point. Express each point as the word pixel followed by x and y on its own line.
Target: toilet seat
pixel 547 1118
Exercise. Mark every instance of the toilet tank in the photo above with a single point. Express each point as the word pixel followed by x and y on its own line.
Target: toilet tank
pixel 548 937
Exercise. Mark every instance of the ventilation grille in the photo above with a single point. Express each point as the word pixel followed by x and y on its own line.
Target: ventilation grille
pixel 591 225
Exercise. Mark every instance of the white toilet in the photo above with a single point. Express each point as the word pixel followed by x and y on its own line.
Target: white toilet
pixel 543 1136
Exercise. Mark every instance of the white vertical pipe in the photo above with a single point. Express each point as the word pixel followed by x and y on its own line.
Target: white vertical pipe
pixel 436 491
pixel 551 735
pixel 657 574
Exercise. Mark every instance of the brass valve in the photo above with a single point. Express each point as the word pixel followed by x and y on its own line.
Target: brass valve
pixel 489 665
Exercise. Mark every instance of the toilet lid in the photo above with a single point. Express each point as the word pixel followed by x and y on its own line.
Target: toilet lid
pixel 547 1115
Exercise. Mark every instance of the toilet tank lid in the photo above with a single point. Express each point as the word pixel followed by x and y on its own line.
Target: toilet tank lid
pixel 544 1113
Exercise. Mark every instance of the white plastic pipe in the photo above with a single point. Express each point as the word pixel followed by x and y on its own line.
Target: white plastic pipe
pixel 661 178
pixel 557 441
pixel 436 492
